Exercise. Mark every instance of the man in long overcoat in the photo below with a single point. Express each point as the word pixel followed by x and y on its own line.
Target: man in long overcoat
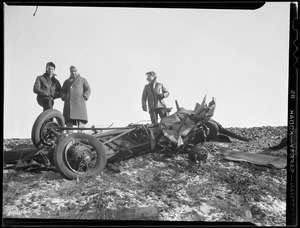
pixel 154 93
pixel 75 92
pixel 47 87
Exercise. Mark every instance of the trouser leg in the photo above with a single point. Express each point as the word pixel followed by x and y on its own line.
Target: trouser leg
pixel 79 125
pixel 69 124
pixel 162 113
pixel 46 103
pixel 153 116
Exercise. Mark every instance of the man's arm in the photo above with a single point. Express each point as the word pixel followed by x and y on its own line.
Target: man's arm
pixel 86 90
pixel 58 89
pixel 144 98
pixel 165 92
pixel 37 88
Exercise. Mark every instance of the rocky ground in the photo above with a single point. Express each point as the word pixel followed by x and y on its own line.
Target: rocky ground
pixel 155 188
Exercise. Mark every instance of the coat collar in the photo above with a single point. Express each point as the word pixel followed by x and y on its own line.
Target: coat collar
pixel 45 75
pixel 48 79
pixel 153 85
pixel 72 80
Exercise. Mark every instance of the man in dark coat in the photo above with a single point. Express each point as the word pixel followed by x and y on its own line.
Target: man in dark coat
pixel 154 93
pixel 47 87
pixel 75 92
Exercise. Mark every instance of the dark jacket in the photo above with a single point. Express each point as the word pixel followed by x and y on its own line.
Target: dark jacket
pixel 155 94
pixel 73 92
pixel 45 86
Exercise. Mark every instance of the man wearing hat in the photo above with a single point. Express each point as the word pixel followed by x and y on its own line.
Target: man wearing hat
pixel 75 92
pixel 47 87
pixel 154 93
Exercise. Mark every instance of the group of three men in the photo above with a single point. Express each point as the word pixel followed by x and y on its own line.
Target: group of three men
pixel 76 91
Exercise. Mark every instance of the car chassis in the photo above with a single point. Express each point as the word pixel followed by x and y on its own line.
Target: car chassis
pixel 81 154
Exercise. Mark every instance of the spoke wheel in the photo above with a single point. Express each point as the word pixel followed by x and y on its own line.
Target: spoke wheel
pixel 45 130
pixel 79 155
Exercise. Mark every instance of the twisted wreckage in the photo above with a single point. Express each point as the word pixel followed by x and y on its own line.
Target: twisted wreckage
pixel 81 154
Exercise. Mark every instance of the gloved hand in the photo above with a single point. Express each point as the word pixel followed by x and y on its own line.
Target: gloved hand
pixel 85 97
pixel 45 94
pixel 144 108
pixel 52 91
pixel 160 96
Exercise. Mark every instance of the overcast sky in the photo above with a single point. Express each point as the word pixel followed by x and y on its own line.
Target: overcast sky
pixel 240 57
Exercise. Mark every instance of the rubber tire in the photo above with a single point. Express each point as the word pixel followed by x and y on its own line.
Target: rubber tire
pixel 38 124
pixel 60 162
pixel 213 130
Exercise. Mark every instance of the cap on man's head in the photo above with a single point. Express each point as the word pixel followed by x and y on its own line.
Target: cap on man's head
pixel 151 73
pixel 51 64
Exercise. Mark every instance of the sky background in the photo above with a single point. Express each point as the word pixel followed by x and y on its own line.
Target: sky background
pixel 240 57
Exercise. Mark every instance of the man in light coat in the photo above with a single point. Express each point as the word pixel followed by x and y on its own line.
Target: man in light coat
pixel 47 87
pixel 154 93
pixel 75 92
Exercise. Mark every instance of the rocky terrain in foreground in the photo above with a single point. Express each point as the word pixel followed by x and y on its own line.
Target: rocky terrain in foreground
pixel 153 187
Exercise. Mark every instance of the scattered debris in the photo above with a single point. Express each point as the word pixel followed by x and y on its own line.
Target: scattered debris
pixel 281 145
pixel 219 190
pixel 258 159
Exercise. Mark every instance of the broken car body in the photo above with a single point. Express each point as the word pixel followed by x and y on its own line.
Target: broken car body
pixel 80 154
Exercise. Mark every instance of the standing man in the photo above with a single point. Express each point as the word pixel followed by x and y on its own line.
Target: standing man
pixel 47 87
pixel 154 93
pixel 75 92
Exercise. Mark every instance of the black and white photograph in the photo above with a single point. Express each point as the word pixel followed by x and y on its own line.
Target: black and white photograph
pixel 150 114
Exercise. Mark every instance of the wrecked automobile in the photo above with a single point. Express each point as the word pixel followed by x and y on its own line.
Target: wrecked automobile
pixel 85 154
